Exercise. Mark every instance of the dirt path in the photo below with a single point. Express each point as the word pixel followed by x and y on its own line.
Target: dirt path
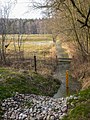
pixel 60 74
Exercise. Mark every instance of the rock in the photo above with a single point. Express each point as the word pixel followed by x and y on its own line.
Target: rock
pixel 44 118
pixel 49 109
pixel 64 109
pixel 52 118
pixel 3 105
pixel 71 97
pixel 31 115
pixel 43 108
pixel 31 110
pixel 13 116
pixel 48 117
pixel 22 116
pixel 75 98
pixel 44 112
pixel 56 116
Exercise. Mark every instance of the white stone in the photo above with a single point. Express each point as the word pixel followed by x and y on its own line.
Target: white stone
pixel 31 110
pixel 52 117
pixel 64 109
pixel 71 96
pixel 75 98
pixel 44 112
pixel 22 116
pixel 48 117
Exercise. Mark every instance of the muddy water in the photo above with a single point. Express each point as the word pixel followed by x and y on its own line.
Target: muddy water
pixel 60 74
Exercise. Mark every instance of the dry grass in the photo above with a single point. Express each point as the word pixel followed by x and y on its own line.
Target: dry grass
pixel 69 48
pixel 31 43
pixel 28 37
pixel 80 70
pixel 31 48
pixel 39 45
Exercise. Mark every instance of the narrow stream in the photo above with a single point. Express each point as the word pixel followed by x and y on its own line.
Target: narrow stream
pixel 60 74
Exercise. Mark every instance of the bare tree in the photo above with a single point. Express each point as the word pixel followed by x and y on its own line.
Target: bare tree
pixel 72 18
pixel 5 10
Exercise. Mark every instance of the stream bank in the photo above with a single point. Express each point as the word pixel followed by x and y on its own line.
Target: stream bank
pixel 60 74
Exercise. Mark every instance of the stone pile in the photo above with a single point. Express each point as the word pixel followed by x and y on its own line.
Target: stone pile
pixel 34 107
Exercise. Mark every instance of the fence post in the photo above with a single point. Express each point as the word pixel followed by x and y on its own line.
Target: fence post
pixel 44 55
pixel 67 85
pixel 56 60
pixel 35 63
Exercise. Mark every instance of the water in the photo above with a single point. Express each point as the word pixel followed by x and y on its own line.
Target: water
pixel 60 74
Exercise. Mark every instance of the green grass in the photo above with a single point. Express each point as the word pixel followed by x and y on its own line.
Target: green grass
pixel 81 109
pixel 14 81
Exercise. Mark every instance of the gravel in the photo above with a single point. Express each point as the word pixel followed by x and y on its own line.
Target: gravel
pixel 34 107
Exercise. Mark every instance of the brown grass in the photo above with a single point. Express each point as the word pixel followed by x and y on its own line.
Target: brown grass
pixel 80 70
pixel 45 54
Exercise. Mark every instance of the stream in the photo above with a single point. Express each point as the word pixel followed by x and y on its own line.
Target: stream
pixel 60 74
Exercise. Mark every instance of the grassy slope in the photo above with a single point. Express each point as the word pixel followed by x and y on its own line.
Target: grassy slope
pixel 14 81
pixel 81 109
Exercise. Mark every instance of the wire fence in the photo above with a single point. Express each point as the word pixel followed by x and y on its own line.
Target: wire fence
pixel 41 61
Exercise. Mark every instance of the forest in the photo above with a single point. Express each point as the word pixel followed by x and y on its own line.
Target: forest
pixel 24 26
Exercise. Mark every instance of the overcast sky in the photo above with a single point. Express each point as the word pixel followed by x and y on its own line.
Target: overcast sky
pixel 21 10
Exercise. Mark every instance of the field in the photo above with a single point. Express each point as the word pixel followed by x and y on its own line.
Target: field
pixel 22 49
pixel 29 37
pixel 18 74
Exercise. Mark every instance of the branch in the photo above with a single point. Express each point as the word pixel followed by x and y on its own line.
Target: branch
pixel 78 10
pixel 86 21
pixel 87 17
pixel 80 22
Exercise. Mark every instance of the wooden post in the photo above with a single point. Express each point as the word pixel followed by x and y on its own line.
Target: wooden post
pixel 56 60
pixel 67 85
pixel 44 55
pixel 67 91
pixel 51 59
pixel 35 63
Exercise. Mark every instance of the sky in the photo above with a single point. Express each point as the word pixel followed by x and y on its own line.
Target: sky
pixel 21 10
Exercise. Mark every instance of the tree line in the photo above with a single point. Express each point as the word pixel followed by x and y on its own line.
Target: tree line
pixel 18 27
pixel 23 26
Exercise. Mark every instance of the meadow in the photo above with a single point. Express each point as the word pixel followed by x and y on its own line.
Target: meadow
pixel 19 74
pixel 22 49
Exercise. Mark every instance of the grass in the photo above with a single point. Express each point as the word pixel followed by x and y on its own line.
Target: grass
pixel 30 49
pixel 14 81
pixel 39 45
pixel 81 109
pixel 29 37
pixel 28 43
pixel 25 82
pixel 32 43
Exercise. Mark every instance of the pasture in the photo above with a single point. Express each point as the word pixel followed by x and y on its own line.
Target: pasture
pixel 22 49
